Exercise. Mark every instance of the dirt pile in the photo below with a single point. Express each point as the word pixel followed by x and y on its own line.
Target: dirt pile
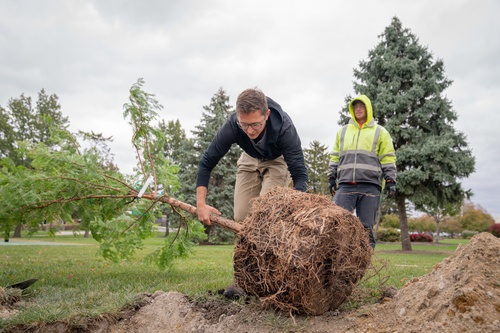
pixel 9 297
pixel 460 294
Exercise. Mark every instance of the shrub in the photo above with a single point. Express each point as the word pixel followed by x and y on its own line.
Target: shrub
pixel 388 235
pixel 390 221
pixel 421 224
pixel 421 237
pixel 495 229
pixel 466 234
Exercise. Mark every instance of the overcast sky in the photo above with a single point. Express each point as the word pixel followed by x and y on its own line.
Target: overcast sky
pixel 300 53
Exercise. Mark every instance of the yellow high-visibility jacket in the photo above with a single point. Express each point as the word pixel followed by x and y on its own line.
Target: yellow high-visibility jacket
pixel 362 154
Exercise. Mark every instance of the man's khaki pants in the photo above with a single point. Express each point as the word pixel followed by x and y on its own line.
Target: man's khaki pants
pixel 255 178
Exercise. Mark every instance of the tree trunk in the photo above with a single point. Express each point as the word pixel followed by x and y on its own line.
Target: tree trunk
pixel 17 231
pixel 167 227
pixel 437 232
pixel 86 234
pixel 403 223
pixel 216 219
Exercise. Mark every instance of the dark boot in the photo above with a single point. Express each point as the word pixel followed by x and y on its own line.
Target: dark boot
pixel 233 292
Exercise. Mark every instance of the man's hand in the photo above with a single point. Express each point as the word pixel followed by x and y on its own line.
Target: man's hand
pixel 204 211
pixel 332 185
pixel 390 188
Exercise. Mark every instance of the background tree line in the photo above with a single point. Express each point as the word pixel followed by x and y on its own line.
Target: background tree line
pixel 402 79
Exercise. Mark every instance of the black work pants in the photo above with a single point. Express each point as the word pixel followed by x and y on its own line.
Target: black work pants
pixel 362 197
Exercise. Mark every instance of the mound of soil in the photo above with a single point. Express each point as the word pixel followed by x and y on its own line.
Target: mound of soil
pixel 460 294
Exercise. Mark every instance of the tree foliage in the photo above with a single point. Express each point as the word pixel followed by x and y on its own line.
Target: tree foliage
pixel 21 121
pixel 406 86
pixel 475 218
pixel 423 223
pixel 452 225
pixel 390 221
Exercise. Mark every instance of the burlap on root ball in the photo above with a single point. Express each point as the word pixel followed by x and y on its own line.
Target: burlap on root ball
pixel 300 252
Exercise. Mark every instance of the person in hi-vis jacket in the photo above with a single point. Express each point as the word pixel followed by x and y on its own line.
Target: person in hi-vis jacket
pixel 362 161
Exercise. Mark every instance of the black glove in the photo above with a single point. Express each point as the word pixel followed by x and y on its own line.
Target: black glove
pixel 332 185
pixel 390 188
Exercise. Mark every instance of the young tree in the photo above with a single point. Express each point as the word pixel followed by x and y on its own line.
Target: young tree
pixel 439 213
pixel 406 88
pixel 62 181
pixel 316 158
pixel 223 176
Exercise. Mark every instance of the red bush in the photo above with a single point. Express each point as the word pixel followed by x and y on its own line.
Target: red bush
pixel 495 229
pixel 421 237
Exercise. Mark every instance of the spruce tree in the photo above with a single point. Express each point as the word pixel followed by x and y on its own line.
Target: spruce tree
pixel 317 158
pixel 174 151
pixel 406 86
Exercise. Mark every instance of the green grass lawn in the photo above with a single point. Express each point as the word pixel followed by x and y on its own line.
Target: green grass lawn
pixel 74 282
pixel 403 266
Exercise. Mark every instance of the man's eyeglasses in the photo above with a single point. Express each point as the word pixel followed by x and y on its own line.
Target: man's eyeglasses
pixel 255 126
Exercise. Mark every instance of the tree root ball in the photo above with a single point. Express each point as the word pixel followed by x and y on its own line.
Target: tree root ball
pixel 300 252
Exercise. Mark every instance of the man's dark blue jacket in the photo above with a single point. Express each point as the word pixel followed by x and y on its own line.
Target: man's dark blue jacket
pixel 281 139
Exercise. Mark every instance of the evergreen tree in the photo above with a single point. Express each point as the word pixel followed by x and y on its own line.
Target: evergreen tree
pixel 174 137
pixel 223 176
pixel 174 151
pixel 406 88
pixel 317 158
pixel 188 163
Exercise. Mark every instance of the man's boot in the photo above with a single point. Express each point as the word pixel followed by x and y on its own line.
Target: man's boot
pixel 233 292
